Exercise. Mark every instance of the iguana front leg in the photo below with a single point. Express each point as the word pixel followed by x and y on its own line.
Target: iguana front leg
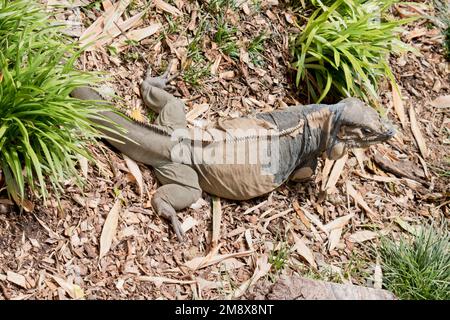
pixel 160 81
pixel 171 113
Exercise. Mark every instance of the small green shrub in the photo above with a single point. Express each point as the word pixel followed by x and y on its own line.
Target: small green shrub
pixel 256 48
pixel 345 46
pixel 226 39
pixel 447 41
pixel 442 14
pixel 42 129
pixel 419 267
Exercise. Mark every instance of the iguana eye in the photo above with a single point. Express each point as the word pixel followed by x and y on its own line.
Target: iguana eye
pixel 366 131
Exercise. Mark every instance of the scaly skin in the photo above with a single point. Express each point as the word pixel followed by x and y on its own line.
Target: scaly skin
pixel 295 138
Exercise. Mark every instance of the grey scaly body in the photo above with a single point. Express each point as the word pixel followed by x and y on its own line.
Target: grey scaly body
pixel 236 158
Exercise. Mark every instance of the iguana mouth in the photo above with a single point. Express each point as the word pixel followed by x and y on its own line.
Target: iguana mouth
pixel 366 140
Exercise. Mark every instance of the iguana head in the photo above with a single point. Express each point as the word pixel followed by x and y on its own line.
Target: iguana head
pixel 358 126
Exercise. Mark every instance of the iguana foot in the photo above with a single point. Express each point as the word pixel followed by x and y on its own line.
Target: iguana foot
pixel 167 212
pixel 161 81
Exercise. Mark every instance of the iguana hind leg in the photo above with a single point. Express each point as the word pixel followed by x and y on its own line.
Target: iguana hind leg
pixel 180 189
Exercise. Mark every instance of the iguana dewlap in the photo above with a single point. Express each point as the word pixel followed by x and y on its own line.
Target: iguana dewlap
pixel 238 158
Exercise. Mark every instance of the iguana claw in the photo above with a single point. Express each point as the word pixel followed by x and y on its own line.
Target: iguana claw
pixel 177 228
pixel 161 81
pixel 166 211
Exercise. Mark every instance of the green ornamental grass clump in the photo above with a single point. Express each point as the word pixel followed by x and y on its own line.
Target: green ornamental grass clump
pixel 343 50
pixel 42 129
pixel 418 267
pixel 442 14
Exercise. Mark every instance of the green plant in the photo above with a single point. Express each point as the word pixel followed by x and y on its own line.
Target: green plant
pixel 256 4
pixel 447 41
pixel 219 6
pixel 41 127
pixel 256 47
pixel 418 267
pixel 96 4
pixel 279 257
pixel 195 72
pixel 194 48
pixel 345 46
pixel 173 24
pixel 225 37
pixel 442 10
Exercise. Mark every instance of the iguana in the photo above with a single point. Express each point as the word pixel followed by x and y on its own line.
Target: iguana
pixel 239 158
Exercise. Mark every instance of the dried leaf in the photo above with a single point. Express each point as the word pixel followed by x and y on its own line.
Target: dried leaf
pixel 315 220
pixel 326 172
pixel 91 34
pixel 67 3
pixel 188 224
pixel 139 34
pixel 136 35
pixel 107 5
pixel 378 276
pixel 300 214
pixel 336 172
pixel 339 222
pixel 51 233
pixel 359 200
pixel 158 281
pixel 26 204
pixel 196 111
pixel 73 290
pixel 360 157
pixel 406 226
pixel 259 205
pixel 398 105
pixel 361 236
pixel 303 250
pixel 248 238
pixel 379 178
pixel 202 262
pixel 136 172
pixel 198 204
pixel 109 228
pixel 245 8
pixel 119 29
pixel 192 23
pixel 262 268
pixel 17 279
pixel 227 75
pixel 204 284
pixel 276 216
pixel 114 15
pixel 167 7
pixel 217 219
pixel 216 64
pixel 441 102
pixel 295 287
pixel 416 33
pixel 83 165
pixel 333 239
pixel 417 133
pixel 231 264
